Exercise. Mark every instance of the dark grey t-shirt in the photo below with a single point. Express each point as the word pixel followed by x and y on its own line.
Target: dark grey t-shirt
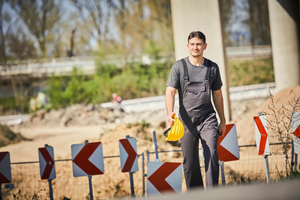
pixel 196 74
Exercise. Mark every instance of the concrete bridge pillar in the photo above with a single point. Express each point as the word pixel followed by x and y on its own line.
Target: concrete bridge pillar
pixel 284 25
pixel 204 16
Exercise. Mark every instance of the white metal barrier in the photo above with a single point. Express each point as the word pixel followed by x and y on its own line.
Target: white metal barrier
pixel 235 94
pixel 252 91
pixel 158 102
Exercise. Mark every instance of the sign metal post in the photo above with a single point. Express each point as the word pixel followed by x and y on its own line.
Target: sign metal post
pixel 296 137
pixel 50 189
pixel 91 186
pixel 222 172
pixel 292 158
pixel 131 176
pixel 49 179
pixel 90 180
pixel 296 162
pixel 267 168
pixel 143 170
pixel 266 154
pixel 155 145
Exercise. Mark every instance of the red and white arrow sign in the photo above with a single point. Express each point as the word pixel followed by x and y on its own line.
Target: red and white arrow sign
pixel 87 159
pixel 47 166
pixel 164 177
pixel 5 170
pixel 128 155
pixel 228 147
pixel 296 131
pixel 261 135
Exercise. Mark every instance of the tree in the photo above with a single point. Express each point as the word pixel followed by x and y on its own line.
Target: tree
pixel 4 18
pixel 95 15
pixel 258 22
pixel 20 46
pixel 147 21
pixel 70 52
pixel 40 17
pixel 228 18
pixel 161 17
pixel 281 122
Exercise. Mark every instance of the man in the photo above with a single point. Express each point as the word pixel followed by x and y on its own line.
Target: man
pixel 116 98
pixel 195 78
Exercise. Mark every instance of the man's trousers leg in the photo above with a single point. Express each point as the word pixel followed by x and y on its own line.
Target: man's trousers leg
pixel 209 139
pixel 191 165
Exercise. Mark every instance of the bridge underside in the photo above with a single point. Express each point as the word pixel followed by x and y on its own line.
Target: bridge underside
pixel 203 15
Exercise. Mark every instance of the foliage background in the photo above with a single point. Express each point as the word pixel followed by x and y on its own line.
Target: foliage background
pixel 134 80
pixel 33 30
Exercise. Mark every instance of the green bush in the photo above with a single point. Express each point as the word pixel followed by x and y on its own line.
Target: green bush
pixel 137 80
pixel 134 80
pixel 248 72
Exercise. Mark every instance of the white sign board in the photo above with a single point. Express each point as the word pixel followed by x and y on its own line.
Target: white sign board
pixel 128 155
pixel 296 131
pixel 261 135
pixel 164 177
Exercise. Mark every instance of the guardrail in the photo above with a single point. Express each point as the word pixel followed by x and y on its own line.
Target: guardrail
pixel 158 102
pixel 249 51
pixel 13 119
pixel 64 66
pixel 252 91
pixel 235 94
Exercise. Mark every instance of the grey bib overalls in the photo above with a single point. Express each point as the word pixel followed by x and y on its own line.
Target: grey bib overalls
pixel 199 118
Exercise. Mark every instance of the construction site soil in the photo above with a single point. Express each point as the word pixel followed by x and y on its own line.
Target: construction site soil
pixel 75 124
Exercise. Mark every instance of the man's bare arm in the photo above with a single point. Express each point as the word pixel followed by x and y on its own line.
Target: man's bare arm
pixel 218 102
pixel 170 101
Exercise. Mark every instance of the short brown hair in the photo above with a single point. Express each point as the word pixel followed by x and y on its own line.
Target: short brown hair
pixel 197 34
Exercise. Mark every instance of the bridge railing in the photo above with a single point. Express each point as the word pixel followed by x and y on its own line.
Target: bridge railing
pixel 64 65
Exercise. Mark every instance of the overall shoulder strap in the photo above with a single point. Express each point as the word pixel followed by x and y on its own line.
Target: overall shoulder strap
pixel 209 65
pixel 186 72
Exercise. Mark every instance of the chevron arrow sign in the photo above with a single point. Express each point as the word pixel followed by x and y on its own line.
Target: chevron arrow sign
pixel 164 177
pixel 261 135
pixel 5 170
pixel 87 159
pixel 128 155
pixel 46 160
pixel 296 131
pixel 228 147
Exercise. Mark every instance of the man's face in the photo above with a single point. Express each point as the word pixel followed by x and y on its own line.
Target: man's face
pixel 196 47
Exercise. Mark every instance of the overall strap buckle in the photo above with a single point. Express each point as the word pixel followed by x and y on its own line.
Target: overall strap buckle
pixel 186 74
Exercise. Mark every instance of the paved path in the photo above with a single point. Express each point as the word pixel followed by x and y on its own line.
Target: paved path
pixel 60 138
pixel 281 191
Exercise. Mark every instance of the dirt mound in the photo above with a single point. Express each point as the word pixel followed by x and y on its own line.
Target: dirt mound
pixel 7 136
pixel 245 125
pixel 138 125
pixel 78 115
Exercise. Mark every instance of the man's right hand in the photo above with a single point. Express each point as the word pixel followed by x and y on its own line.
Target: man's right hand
pixel 171 118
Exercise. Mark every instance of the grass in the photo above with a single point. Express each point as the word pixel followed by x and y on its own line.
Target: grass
pixel 250 71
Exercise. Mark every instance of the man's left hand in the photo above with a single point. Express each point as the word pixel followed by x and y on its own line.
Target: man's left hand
pixel 222 129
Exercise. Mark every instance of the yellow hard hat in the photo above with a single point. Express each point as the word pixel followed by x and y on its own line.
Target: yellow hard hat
pixel 176 132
